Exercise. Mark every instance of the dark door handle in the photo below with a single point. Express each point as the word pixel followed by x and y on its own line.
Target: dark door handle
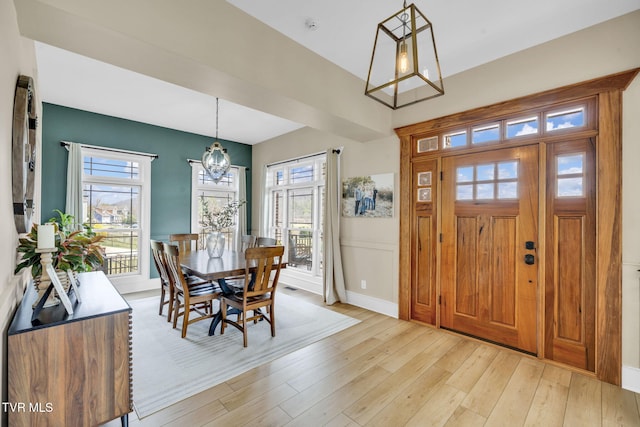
pixel 529 259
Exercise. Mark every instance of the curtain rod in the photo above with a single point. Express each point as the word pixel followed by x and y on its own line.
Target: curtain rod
pixel 115 150
pixel 200 161
pixel 308 156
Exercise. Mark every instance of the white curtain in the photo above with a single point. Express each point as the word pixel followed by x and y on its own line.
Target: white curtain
pixel 333 283
pixel 263 229
pixel 73 204
pixel 241 229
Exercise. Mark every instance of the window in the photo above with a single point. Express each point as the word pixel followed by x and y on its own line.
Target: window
pixel 294 211
pixel 570 181
pixel 116 190
pixel 485 134
pixel 489 181
pixel 522 127
pixel 204 190
pixel 456 139
pixel 564 119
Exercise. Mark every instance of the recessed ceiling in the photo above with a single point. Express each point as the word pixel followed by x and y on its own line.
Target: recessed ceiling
pixel 468 33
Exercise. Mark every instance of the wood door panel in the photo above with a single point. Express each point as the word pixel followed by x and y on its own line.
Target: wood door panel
pixel 466 292
pixel 488 290
pixel 569 278
pixel 503 291
pixel 425 286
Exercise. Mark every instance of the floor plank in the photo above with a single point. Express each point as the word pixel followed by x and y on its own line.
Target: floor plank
pixel 584 403
pixel 387 372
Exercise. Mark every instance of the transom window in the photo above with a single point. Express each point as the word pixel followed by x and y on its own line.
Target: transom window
pixel 564 119
pixel 489 181
pixel 542 122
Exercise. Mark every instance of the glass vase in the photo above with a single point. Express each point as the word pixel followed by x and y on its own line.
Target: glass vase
pixel 215 244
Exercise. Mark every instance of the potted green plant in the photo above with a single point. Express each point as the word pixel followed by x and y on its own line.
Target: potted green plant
pixel 77 250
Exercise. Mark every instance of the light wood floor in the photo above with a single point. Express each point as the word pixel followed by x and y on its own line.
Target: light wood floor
pixel 388 372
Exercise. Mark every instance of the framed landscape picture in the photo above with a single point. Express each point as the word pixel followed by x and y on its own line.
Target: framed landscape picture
pixel 369 196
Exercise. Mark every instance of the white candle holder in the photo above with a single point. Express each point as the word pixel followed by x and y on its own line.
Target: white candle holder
pixel 46 258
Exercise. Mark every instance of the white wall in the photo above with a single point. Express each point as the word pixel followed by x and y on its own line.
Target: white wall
pixel 631 237
pixel 18 57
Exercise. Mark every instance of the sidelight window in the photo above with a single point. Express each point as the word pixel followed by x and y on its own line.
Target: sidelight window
pixel 570 179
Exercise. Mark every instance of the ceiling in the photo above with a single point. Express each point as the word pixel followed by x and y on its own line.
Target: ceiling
pixel 468 33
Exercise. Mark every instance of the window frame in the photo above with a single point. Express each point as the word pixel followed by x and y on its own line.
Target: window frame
pixel 317 191
pixel 143 181
pixel 198 189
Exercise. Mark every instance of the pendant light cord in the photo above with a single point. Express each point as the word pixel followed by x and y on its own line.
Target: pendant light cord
pixel 217 110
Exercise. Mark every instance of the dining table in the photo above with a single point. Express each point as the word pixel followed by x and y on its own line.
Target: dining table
pixel 230 265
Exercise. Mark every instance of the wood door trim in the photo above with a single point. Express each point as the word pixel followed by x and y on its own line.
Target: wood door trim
pixel 608 89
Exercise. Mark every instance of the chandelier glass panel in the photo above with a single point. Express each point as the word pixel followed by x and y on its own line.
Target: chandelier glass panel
pixel 215 159
pixel 404 65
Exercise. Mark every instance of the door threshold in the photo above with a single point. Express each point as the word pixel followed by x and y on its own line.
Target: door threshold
pixel 519 350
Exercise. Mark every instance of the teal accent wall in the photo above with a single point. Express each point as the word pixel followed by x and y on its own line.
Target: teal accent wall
pixel 170 172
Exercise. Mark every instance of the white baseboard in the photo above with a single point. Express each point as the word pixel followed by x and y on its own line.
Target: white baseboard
pixel 301 281
pixel 370 303
pixel 128 286
pixel 378 305
pixel 631 378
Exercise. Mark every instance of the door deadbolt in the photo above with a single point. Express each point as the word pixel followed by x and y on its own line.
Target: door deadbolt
pixel 529 259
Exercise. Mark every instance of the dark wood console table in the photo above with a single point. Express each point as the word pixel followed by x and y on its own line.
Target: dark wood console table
pixel 71 370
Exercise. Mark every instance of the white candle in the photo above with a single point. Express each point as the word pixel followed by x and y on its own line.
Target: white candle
pixel 46 238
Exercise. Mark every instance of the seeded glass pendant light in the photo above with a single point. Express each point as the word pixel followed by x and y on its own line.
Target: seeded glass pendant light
pixel 215 159
pixel 404 64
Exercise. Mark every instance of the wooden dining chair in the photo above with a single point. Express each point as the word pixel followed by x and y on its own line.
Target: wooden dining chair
pixel 191 299
pixel 265 241
pixel 259 290
pixel 166 289
pixel 186 242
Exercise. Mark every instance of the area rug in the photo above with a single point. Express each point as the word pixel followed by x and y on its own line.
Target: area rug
pixel 167 368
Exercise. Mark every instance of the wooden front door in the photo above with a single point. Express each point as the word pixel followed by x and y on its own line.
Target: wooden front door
pixel 489 274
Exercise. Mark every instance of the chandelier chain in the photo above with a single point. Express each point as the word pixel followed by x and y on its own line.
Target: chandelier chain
pixel 217 110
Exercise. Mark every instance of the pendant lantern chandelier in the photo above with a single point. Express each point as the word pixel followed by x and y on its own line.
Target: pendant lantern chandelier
pixel 215 159
pixel 404 64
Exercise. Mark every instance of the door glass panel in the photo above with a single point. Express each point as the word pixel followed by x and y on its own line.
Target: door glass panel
pixel 507 190
pixel 464 174
pixel 485 191
pixel 570 171
pixel 483 182
pixel 464 192
pixel 507 170
pixel 571 164
pixel 486 172
pixel 570 187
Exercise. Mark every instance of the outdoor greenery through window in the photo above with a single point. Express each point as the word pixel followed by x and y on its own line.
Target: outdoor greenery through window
pixel 215 196
pixel 294 210
pixel 113 187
